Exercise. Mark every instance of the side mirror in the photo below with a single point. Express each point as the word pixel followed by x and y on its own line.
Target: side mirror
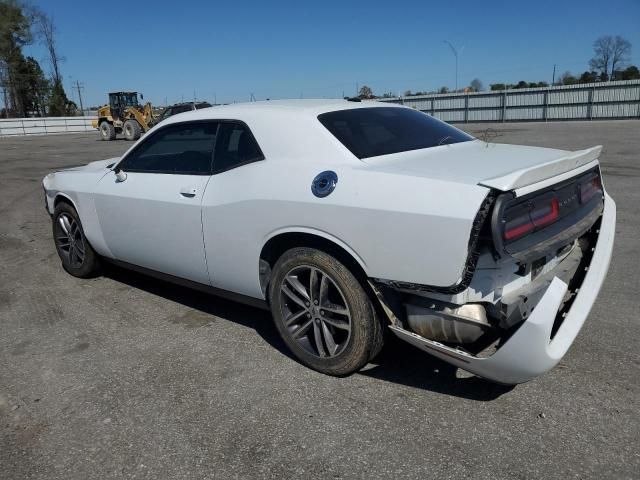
pixel 121 175
pixel 141 97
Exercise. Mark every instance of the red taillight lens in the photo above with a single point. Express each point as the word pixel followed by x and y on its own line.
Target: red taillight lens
pixel 517 227
pixel 539 216
pixel 545 214
pixel 590 189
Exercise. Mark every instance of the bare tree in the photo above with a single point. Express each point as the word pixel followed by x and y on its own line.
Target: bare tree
pixel 620 52
pixel 601 60
pixel 46 29
pixel 610 54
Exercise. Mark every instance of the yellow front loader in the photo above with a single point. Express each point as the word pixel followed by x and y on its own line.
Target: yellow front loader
pixel 124 114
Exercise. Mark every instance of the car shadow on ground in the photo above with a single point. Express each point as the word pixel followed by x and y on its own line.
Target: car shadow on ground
pixel 404 364
pixel 398 362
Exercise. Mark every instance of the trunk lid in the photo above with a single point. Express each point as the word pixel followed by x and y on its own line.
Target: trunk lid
pixel 500 166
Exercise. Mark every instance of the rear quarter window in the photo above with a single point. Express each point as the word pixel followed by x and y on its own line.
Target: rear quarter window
pixel 375 131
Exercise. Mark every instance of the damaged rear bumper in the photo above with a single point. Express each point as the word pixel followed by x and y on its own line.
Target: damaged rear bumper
pixel 531 351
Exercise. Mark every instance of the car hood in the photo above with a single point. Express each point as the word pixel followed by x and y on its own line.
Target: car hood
pixel 500 166
pixel 92 166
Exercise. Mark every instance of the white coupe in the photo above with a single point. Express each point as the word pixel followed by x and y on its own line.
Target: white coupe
pixel 347 218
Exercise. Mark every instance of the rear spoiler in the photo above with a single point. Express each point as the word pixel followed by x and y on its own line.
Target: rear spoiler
pixel 523 177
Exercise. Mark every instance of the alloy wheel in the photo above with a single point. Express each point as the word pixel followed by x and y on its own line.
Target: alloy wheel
pixel 314 311
pixel 69 240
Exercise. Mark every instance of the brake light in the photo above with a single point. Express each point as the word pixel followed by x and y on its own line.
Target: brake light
pixel 546 214
pixel 538 216
pixel 517 227
pixel 590 189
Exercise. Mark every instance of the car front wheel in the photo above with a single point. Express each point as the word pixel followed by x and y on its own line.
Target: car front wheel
pixel 77 256
pixel 323 313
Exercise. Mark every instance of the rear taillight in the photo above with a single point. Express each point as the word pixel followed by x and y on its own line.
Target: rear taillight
pixel 517 227
pixel 545 214
pixel 542 213
pixel 590 189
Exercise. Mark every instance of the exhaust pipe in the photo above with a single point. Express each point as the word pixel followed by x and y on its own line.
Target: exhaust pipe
pixel 447 323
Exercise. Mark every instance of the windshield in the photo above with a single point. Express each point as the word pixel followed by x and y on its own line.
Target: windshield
pixel 370 132
pixel 129 100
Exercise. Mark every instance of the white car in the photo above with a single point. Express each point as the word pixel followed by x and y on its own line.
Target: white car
pixel 345 218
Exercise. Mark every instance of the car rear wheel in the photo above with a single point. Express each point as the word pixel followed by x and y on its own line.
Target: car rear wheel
pixel 323 313
pixel 132 130
pixel 77 256
pixel 107 131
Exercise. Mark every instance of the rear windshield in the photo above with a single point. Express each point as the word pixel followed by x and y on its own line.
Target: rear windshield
pixel 369 132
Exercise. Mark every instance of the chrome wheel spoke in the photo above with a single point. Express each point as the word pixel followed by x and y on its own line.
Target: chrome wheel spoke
pixel 63 241
pixel 313 285
pixel 324 290
pixel 292 295
pixel 337 309
pixel 341 324
pixel 64 223
pixel 328 339
pixel 317 337
pixel 69 240
pixel 298 287
pixel 299 332
pixel 291 319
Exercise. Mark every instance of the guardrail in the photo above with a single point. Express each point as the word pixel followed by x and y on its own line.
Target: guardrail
pixel 589 101
pixel 45 125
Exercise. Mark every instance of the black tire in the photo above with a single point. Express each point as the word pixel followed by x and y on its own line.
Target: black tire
pixel 132 130
pixel 350 351
pixel 77 256
pixel 107 131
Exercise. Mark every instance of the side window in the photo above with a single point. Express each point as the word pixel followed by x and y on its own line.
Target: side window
pixel 235 146
pixel 183 148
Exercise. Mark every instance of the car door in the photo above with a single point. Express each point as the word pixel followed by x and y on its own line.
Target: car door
pixel 227 218
pixel 152 218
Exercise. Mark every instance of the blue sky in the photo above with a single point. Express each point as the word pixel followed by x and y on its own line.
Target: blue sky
pixel 228 50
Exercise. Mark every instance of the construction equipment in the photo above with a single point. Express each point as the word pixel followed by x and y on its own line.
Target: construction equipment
pixel 124 114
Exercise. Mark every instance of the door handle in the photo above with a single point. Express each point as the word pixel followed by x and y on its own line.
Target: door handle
pixel 188 192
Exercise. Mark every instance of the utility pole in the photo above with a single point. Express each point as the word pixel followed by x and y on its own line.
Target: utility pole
pixel 553 81
pixel 455 53
pixel 78 86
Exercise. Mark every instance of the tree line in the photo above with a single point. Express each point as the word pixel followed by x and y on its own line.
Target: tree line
pixel 610 60
pixel 26 90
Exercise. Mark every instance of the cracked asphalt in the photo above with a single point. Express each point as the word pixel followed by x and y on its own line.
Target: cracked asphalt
pixel 124 376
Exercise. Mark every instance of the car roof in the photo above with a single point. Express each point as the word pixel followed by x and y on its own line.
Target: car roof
pixel 286 129
pixel 307 107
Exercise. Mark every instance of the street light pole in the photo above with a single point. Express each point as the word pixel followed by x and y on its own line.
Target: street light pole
pixel 455 53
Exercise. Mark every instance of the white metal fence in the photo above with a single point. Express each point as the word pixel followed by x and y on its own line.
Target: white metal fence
pixel 590 101
pixel 44 125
